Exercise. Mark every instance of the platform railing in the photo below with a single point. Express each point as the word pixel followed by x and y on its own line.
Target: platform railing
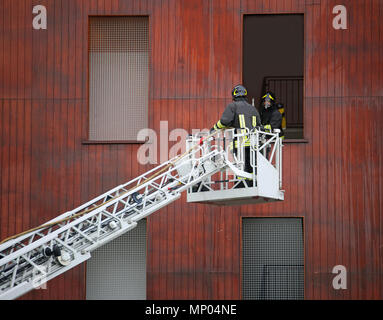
pixel 237 145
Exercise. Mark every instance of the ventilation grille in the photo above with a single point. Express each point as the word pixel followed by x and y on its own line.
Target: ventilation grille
pixel 273 259
pixel 118 77
pixel 117 270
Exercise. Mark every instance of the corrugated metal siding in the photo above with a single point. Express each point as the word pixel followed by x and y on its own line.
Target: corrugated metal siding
pixel 334 181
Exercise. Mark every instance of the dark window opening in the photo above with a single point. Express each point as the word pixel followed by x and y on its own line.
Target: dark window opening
pixel 273 59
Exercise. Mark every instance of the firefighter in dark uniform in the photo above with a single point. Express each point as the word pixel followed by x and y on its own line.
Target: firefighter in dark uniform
pixel 240 114
pixel 271 117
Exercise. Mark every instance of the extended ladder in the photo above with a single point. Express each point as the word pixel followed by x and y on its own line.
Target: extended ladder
pixel 36 256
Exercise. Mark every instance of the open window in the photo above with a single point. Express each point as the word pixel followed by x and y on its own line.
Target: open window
pixel 273 59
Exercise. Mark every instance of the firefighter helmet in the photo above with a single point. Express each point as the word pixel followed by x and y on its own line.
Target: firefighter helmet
pixel 239 91
pixel 268 99
pixel 268 96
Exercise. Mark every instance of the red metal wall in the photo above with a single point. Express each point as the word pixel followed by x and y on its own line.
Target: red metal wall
pixel 334 180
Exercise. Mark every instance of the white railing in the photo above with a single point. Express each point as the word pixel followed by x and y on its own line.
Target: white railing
pixel 259 147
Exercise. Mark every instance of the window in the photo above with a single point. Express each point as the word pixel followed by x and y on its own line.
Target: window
pixel 273 59
pixel 117 270
pixel 118 77
pixel 272 259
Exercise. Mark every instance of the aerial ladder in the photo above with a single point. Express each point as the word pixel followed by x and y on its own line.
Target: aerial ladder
pixel 209 171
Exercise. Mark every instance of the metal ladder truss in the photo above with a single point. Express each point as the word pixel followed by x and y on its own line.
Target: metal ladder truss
pixel 32 259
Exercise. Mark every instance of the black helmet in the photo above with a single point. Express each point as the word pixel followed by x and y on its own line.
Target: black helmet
pixel 268 100
pixel 239 91
pixel 269 96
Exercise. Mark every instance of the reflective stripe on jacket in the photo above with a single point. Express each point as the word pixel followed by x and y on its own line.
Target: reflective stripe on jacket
pixel 239 114
pixel 272 119
pixel 230 118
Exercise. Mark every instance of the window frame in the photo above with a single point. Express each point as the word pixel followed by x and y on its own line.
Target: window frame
pixel 86 140
pixel 304 139
pixel 246 216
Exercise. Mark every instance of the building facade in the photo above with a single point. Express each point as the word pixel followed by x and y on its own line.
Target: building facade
pixel 332 174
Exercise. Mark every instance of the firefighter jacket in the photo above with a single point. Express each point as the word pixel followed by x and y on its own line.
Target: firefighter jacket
pixel 271 119
pixel 239 114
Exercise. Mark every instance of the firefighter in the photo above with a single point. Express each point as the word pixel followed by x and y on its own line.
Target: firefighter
pixel 240 114
pixel 271 117
pixel 281 109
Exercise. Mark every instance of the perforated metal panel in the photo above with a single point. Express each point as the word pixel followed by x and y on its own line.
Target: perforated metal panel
pixel 273 259
pixel 118 77
pixel 117 270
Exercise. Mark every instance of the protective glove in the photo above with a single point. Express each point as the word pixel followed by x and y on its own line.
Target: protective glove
pixel 261 128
